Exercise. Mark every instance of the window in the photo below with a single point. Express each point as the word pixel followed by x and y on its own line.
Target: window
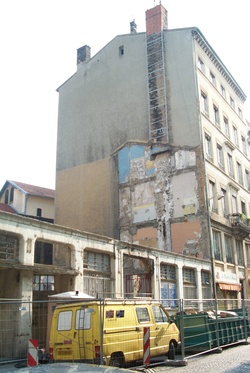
pixel 142 314
pixel 168 272
pixel 220 158
pixel 83 317
pixel 43 283
pixel 208 147
pixel 248 254
pixel 217 245
pixel 234 204
pixel 39 212
pixel 232 103
pixel 240 113
pixel 11 194
pixel 159 314
pixel 226 126
pixel 243 207
pixel 243 143
pixel 224 202
pixel 204 103
pixel 189 283
pixel 223 91
pixel 6 196
pixel 168 285
pixel 229 249
pixel 97 261
pixel 212 194
pixel 239 251
pixel 206 284
pixel 235 135
pixel 201 65
pixel 216 115
pixel 9 247
pixel 121 50
pixel 247 180
pixel 239 173
pixel 43 252
pixel 64 320
pixel 230 165
pixel 212 78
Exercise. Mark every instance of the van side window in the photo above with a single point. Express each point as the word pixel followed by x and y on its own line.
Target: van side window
pixel 120 313
pixel 142 314
pixel 83 319
pixel 159 314
pixel 64 320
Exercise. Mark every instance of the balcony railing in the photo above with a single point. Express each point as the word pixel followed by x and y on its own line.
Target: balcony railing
pixel 240 224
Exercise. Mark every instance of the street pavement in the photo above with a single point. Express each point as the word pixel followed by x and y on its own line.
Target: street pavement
pixel 234 359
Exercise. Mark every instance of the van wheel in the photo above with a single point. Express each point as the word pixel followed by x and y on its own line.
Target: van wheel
pixel 171 351
pixel 117 360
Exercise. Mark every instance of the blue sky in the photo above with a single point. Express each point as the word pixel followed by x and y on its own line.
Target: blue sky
pixel 39 39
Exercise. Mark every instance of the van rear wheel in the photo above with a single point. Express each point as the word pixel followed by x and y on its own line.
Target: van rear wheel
pixel 171 351
pixel 117 360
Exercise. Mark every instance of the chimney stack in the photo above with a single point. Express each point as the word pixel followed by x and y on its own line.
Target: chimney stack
pixel 156 20
pixel 83 54
pixel 133 27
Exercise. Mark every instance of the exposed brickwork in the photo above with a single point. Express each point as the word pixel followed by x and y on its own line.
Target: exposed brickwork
pixel 156 20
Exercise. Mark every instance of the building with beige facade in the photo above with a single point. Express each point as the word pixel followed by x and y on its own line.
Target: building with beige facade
pixel 153 149
pixel 28 200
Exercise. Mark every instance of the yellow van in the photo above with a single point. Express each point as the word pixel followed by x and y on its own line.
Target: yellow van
pixel 111 332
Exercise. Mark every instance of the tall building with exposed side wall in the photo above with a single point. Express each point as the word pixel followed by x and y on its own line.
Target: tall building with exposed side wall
pixel 153 149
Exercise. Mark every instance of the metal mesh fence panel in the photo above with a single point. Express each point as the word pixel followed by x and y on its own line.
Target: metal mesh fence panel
pixel 112 331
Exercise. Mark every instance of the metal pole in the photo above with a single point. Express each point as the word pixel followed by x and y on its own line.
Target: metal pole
pixel 182 329
pixel 101 331
pixel 244 319
pixel 217 324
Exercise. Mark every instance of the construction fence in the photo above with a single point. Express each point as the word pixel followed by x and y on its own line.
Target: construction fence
pixel 204 325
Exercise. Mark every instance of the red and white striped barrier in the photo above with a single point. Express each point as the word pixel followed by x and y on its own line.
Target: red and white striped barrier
pixel 146 345
pixel 33 353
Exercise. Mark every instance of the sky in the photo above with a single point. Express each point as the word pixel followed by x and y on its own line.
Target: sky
pixel 38 44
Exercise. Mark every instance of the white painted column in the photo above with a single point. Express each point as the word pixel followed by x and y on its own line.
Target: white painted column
pixel 77 264
pixel 199 288
pixel 180 292
pixel 157 279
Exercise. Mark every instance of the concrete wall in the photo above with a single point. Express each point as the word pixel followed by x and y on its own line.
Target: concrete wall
pixel 183 114
pixel 85 198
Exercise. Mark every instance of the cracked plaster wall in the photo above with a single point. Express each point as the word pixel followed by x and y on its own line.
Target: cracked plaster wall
pixel 154 205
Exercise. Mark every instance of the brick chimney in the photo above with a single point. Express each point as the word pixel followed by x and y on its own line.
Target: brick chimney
pixel 83 54
pixel 156 20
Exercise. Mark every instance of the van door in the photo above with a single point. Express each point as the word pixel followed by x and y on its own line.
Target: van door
pixel 83 335
pixel 61 335
pixel 161 333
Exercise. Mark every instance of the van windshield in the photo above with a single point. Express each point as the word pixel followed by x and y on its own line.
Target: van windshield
pixel 159 314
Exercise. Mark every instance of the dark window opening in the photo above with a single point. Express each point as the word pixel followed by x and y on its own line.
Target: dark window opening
pixel 6 196
pixel 43 252
pixel 39 212
pixel 121 50
pixel 11 194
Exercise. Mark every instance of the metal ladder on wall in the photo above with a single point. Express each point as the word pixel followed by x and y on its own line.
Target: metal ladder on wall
pixel 82 351
pixel 158 128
